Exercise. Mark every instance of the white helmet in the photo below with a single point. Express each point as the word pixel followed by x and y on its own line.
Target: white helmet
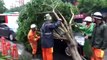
pixel 88 19
pixel 48 17
pixel 33 26
pixel 98 15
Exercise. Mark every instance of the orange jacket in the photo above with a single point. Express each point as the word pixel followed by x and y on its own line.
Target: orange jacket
pixel 32 36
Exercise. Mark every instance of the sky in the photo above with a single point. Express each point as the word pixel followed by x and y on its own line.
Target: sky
pixel 8 3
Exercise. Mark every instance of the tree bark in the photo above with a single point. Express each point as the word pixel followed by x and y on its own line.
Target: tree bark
pixel 64 32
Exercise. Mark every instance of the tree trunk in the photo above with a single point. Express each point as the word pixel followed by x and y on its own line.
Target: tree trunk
pixel 74 52
pixel 65 32
pixel 72 45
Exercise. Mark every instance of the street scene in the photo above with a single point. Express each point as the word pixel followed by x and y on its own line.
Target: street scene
pixel 53 30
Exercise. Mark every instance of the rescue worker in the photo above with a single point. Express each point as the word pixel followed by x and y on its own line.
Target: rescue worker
pixel 47 41
pixel 87 30
pixel 99 37
pixel 33 38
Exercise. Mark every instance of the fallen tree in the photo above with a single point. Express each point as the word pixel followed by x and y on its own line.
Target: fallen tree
pixel 34 13
pixel 65 32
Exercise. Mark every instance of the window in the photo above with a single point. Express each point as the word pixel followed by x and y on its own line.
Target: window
pixel 2 19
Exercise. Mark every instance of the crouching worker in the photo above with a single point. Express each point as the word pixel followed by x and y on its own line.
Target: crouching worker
pixel 33 38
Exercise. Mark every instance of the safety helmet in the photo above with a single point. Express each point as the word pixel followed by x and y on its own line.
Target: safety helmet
pixel 88 19
pixel 48 17
pixel 98 15
pixel 33 26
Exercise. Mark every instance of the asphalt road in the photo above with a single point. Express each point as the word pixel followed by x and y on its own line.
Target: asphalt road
pixel 57 56
pixel 28 56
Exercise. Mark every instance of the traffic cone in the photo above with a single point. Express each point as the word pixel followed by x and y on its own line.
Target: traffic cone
pixel 8 45
pixel 14 52
pixel 0 45
pixel 8 48
pixel 3 40
pixel 4 48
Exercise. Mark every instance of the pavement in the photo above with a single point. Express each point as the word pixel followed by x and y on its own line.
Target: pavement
pixel 57 56
pixel 24 55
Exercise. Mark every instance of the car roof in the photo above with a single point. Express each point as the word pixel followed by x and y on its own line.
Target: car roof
pixel 3 24
pixel 9 25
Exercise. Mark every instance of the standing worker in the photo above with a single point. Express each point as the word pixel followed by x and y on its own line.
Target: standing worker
pixel 33 38
pixel 87 30
pixel 99 37
pixel 47 40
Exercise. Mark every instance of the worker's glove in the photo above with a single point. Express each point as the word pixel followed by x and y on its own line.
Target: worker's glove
pixel 60 19
pixel 76 25
pixel 38 37
pixel 86 37
pixel 35 39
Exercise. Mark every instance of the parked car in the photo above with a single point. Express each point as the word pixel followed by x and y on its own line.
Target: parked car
pixel 7 31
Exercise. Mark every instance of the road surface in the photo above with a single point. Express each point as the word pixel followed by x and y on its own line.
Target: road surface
pixel 57 56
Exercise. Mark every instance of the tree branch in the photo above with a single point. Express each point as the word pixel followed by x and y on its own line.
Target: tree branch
pixel 57 36
pixel 71 17
pixel 61 29
pixel 56 14
pixel 70 23
pixel 65 21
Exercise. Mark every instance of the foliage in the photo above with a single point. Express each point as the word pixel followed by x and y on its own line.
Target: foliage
pixel 3 57
pixel 89 6
pixel 34 12
pixel 2 7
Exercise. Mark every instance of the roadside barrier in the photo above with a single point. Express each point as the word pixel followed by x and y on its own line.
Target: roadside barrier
pixel 14 52
pixel 9 50
pixel 8 45
pixel 4 48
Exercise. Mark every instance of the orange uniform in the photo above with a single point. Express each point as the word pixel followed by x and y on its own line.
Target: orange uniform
pixel 98 54
pixel 47 53
pixel 33 38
